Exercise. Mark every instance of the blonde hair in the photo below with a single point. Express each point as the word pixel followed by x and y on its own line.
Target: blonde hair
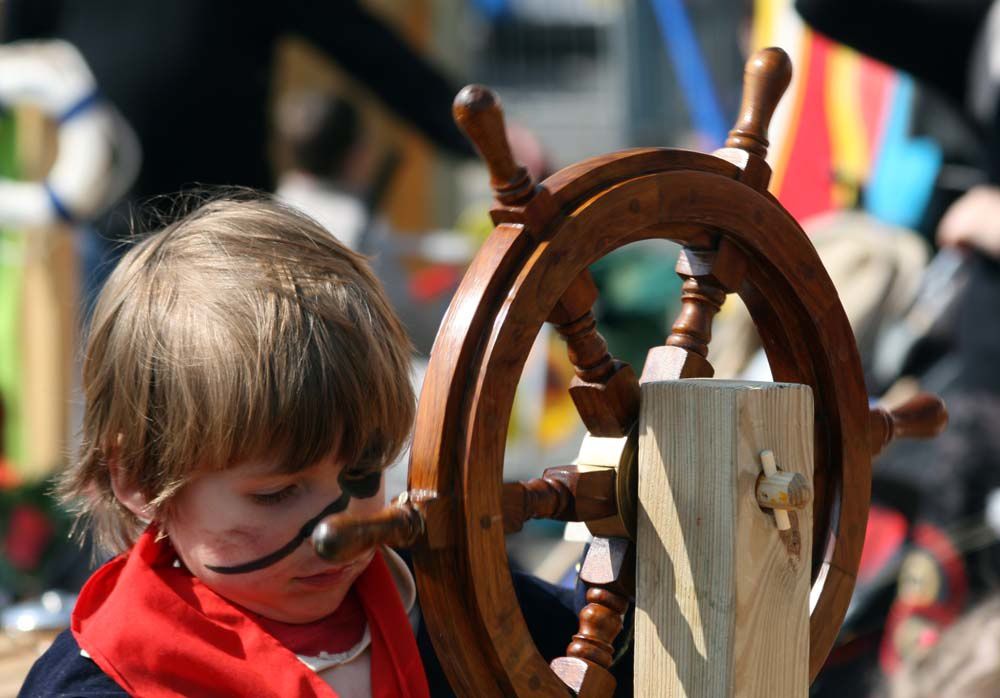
pixel 243 330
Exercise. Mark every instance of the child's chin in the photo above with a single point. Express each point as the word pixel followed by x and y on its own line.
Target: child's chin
pixel 310 608
pixel 326 580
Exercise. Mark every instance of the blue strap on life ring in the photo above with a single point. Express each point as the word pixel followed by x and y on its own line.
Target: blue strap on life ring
pixel 57 203
pixel 82 105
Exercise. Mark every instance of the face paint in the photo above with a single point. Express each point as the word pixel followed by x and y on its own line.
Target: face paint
pixel 360 488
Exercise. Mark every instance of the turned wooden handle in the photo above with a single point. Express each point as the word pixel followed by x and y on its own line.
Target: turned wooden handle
pixel 477 112
pixel 765 79
pixel 563 493
pixel 609 572
pixel 343 537
pixel 921 417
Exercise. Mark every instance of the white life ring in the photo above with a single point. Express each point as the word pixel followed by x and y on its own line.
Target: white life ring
pixel 97 155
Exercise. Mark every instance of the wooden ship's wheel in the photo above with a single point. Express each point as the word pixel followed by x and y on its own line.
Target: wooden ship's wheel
pixel 736 238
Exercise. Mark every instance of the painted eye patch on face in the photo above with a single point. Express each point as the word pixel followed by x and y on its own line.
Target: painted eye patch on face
pixel 363 487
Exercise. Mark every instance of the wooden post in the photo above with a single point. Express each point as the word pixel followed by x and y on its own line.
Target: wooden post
pixel 722 596
pixel 48 320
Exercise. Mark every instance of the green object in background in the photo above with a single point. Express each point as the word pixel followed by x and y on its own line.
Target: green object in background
pixel 11 274
pixel 640 296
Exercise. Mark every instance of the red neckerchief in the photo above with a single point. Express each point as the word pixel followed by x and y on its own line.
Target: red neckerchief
pixel 339 632
pixel 160 633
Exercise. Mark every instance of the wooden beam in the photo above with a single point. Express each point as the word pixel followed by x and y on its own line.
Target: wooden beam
pixel 722 597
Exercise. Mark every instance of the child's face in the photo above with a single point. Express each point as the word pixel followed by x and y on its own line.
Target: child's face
pixel 227 517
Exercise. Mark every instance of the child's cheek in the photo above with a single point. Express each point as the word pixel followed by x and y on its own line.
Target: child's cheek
pixel 235 545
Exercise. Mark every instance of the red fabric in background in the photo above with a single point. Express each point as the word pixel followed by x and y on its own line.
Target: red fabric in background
pixel 807 186
pixel 29 533
pixel 885 536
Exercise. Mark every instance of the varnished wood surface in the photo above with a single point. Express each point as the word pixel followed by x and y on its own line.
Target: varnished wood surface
pixel 444 574
pixel 604 390
pixel 736 238
pixel 477 112
pixel 608 571
pixel 923 416
pixel 343 537
pixel 546 238
pixel 692 330
pixel 600 623
pixel 766 78
pixel 805 333
pixel 572 185
pixel 563 493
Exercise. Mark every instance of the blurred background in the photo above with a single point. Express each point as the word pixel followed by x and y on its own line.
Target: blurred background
pixel 344 111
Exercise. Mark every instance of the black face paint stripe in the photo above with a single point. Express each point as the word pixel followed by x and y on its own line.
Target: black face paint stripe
pixel 361 488
pixel 336 506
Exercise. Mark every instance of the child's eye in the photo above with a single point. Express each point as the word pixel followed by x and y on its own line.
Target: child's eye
pixel 274 497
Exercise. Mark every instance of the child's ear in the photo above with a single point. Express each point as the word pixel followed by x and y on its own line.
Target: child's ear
pixel 127 493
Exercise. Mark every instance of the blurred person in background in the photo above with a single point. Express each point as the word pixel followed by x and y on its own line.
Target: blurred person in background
pixel 323 138
pixel 337 176
pixel 931 550
pixel 192 78
pixel 192 81
pixel 952 46
pixel 942 43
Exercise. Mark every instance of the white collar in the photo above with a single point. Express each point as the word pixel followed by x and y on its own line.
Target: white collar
pixel 407 588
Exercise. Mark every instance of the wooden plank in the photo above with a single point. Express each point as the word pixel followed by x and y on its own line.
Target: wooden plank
pixel 48 331
pixel 722 599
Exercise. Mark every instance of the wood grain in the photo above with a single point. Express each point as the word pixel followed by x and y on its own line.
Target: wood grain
pixel 722 599
pixel 343 537
pixel 765 79
pixel 575 218
pixel 923 416
pixel 619 455
pixel 604 390
pixel 444 577
pixel 563 493
pixel 534 267
pixel 477 112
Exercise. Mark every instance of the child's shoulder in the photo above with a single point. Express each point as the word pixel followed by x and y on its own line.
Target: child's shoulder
pixel 63 671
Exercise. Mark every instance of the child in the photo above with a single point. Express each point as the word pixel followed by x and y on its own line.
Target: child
pixel 244 376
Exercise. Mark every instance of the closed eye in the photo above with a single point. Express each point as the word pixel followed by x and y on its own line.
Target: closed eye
pixel 275 497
